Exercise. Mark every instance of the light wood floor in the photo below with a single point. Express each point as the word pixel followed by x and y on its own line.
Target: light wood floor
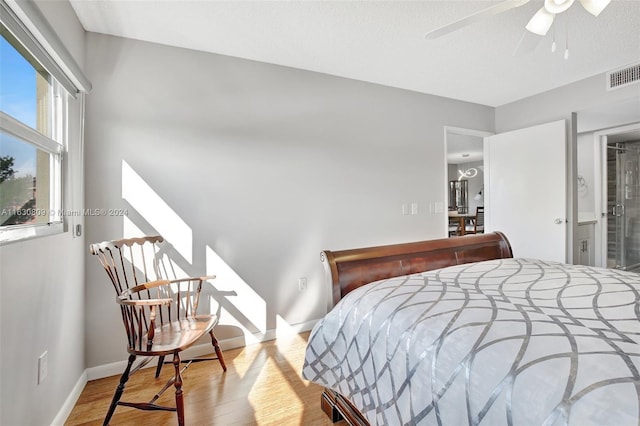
pixel 262 386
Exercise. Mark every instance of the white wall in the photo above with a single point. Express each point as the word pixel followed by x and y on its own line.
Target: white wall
pixel 586 170
pixel 263 165
pixel 42 288
pixel 558 104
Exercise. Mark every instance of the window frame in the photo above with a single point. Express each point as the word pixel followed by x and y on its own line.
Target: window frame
pixel 28 27
pixel 55 146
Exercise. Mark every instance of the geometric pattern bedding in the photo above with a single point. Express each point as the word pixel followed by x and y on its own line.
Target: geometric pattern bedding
pixel 501 342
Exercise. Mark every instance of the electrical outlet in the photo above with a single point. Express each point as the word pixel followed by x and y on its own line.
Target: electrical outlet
pixel 302 283
pixel 43 367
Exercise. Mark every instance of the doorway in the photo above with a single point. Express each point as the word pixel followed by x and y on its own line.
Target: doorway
pixel 623 204
pixel 619 197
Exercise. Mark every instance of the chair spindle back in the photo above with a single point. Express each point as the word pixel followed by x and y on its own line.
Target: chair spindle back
pixel 479 216
pixel 139 270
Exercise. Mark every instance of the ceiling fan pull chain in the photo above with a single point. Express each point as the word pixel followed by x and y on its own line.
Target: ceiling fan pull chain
pixel 566 43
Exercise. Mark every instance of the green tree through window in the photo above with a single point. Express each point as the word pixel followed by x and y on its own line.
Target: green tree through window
pixel 6 168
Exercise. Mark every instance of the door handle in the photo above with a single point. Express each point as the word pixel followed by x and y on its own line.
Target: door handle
pixel 618 210
pixel 558 221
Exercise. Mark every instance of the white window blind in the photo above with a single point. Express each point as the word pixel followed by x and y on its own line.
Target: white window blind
pixel 27 24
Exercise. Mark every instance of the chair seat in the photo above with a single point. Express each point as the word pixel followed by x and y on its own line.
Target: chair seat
pixel 176 335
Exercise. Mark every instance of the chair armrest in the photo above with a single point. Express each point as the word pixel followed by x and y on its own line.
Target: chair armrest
pixel 136 310
pixel 204 278
pixel 124 300
pixel 125 297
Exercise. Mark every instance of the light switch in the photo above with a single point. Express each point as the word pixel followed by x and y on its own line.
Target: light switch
pixel 414 208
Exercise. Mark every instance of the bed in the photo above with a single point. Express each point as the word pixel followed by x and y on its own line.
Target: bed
pixel 456 331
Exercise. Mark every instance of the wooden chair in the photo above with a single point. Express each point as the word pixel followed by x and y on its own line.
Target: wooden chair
pixel 477 227
pixel 454 227
pixel 159 314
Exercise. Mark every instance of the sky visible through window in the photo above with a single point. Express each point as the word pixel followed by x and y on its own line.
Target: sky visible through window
pixel 17 99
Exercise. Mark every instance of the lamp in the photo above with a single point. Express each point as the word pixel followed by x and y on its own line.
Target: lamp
pixel 469 173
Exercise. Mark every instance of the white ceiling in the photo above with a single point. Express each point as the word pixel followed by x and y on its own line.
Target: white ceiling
pixel 464 148
pixel 383 41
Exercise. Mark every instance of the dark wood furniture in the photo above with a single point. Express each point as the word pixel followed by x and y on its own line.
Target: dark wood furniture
pixel 477 225
pixel 459 222
pixel 159 315
pixel 347 270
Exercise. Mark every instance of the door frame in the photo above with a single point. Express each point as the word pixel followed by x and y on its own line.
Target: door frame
pixel 600 187
pixel 457 131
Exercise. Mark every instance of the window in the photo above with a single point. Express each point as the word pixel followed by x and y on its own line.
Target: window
pixel 38 79
pixel 33 118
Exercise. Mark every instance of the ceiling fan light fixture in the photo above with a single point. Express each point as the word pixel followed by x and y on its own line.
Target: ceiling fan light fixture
pixel 557 6
pixel 541 22
pixel 594 7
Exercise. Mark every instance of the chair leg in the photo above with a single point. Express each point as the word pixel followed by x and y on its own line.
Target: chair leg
pixel 159 366
pixel 214 342
pixel 178 384
pixel 119 390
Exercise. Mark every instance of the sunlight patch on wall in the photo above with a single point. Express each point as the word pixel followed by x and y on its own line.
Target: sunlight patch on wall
pixel 283 328
pixel 226 318
pixel 130 229
pixel 156 212
pixel 248 303
pixel 145 265
pixel 168 268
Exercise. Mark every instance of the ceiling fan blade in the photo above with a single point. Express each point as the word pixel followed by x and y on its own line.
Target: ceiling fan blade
pixel 594 7
pixel 541 22
pixel 476 17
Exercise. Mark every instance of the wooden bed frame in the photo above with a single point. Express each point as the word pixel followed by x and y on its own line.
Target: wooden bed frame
pixel 347 270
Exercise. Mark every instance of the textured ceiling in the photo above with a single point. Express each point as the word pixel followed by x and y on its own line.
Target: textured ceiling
pixel 383 41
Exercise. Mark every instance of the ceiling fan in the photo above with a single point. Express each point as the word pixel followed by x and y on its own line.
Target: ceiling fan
pixel 539 24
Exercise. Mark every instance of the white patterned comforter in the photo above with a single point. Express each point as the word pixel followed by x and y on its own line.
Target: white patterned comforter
pixel 503 342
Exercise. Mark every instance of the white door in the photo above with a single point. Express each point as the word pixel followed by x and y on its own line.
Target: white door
pixel 525 174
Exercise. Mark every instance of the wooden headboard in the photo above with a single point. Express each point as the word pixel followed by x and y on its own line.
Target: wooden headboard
pixel 347 270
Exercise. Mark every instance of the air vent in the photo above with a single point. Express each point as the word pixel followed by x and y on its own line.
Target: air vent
pixel 623 77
